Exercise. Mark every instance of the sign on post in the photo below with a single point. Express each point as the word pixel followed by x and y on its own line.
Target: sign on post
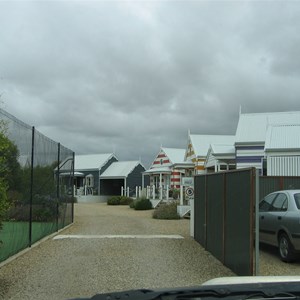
pixel 188 184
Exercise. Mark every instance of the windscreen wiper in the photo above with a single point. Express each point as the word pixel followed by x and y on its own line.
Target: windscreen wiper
pixel 253 291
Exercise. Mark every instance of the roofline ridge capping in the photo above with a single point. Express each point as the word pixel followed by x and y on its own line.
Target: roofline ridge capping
pixel 271 113
pixel 107 160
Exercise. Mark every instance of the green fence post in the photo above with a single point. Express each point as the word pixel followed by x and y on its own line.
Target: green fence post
pixel 31 187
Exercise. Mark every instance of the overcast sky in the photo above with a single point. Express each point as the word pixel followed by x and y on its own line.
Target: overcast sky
pixel 104 76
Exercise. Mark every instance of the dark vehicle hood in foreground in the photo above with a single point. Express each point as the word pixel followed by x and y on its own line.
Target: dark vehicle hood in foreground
pixel 238 288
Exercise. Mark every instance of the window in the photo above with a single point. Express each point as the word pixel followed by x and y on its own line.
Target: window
pixel 297 200
pixel 280 203
pixel 266 203
pixel 90 180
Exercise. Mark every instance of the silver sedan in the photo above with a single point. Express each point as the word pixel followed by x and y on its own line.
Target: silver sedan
pixel 279 222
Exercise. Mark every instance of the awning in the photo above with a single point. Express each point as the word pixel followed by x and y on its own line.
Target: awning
pixel 76 174
pixel 163 170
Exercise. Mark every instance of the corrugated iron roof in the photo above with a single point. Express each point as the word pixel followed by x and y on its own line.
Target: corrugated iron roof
pixel 283 137
pixel 222 149
pixel 252 128
pixel 120 169
pixel 92 161
pixel 201 143
pixel 176 156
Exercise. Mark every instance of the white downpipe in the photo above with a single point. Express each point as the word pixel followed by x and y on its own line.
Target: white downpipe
pixel 181 190
pixel 140 191
pixel 122 191
pixel 125 187
pixel 181 194
pixel 136 192
pixel 160 186
pixel 167 196
pixel 128 191
pixel 153 193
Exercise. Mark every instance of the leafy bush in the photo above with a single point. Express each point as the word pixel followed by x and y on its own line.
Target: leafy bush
pixel 167 211
pixel 142 204
pixel 114 200
pixel 119 200
pixel 175 194
pixel 44 209
pixel 9 170
pixel 125 200
pixel 132 204
pixel 4 205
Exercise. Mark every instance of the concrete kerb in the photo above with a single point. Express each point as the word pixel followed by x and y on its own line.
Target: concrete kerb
pixel 22 252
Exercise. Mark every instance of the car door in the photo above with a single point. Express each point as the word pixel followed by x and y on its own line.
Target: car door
pixel 274 218
pixel 264 207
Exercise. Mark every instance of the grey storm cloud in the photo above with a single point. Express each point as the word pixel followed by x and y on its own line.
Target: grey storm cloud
pixel 128 76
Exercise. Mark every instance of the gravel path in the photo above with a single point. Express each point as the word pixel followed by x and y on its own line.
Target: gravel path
pixel 69 268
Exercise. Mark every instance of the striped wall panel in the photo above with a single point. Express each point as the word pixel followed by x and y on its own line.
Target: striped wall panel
pixel 161 159
pixel 249 156
pixel 175 179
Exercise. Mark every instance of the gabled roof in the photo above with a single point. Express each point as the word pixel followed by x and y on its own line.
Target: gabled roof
pixel 176 156
pixel 92 161
pixel 252 128
pixel 120 169
pixel 201 143
pixel 221 153
pixel 283 137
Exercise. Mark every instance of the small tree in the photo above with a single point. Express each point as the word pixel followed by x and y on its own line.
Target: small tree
pixel 5 173
pixel 3 201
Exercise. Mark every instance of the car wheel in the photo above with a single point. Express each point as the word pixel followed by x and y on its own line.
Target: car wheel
pixel 286 249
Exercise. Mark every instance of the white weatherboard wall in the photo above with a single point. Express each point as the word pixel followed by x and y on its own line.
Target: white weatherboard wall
pixel 283 166
pixel 249 156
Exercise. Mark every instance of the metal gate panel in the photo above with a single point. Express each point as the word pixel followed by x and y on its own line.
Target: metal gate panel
pixel 215 212
pixel 199 207
pixel 224 217
pixel 239 221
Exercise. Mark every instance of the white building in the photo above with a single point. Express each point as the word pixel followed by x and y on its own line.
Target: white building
pixel 282 150
pixel 251 137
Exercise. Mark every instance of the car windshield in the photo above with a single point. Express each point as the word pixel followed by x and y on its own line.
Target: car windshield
pixel 297 200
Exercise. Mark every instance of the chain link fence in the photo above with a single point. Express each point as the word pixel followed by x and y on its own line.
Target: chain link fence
pixel 38 175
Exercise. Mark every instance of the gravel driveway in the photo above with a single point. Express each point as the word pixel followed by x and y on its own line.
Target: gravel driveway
pixel 81 267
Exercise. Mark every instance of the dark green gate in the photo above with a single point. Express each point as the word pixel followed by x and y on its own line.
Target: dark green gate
pixel 224 217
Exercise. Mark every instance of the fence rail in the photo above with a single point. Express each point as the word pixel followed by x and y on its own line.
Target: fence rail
pixel 38 174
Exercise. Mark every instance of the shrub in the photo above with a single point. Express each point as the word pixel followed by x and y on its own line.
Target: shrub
pixel 132 204
pixel 125 200
pixel 114 200
pixel 4 205
pixel 167 211
pixel 142 204
pixel 119 200
pixel 175 194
